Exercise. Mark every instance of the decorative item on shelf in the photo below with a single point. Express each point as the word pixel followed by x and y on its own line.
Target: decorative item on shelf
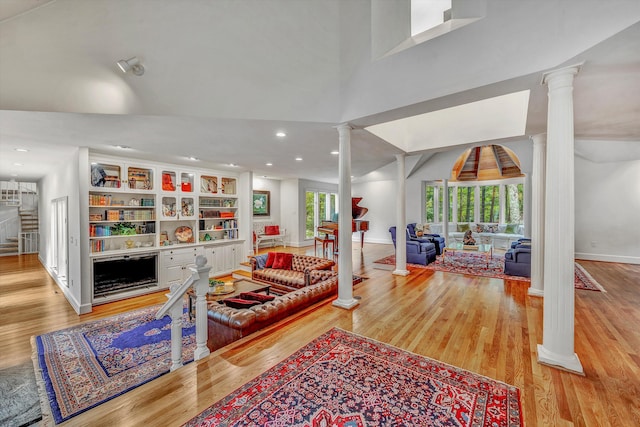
pixel 207 237
pixel 184 234
pixel 187 208
pixel 129 243
pixel 186 186
pixel 167 182
pixel 218 287
pixel 134 202
pixel 164 237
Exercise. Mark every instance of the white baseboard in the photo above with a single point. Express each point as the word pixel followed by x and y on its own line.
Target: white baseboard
pixel 78 308
pixel 608 258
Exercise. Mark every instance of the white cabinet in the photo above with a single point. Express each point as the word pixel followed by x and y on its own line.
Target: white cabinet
pixel 118 176
pixel 223 259
pixel 175 263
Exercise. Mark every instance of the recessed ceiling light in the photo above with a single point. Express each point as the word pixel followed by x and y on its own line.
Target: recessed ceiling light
pixel 195 159
pixel 122 147
pixel 17 164
pixel 281 134
pixel 269 164
pixel 233 165
pixel 335 152
pixel 22 150
pixel 298 159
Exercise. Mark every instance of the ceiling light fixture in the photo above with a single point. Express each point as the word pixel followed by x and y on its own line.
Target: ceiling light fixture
pixel 298 159
pixel 22 150
pixel 233 165
pixel 195 159
pixel 335 152
pixel 269 164
pixel 17 164
pixel 281 134
pixel 122 147
pixel 132 64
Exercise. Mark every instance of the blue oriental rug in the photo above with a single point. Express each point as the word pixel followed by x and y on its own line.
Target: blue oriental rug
pixel 86 365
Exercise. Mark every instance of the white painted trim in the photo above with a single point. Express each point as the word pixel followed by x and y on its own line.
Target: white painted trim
pixel 77 307
pixel 608 258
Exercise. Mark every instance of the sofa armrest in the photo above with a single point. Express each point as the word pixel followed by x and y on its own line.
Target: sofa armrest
pixel 413 247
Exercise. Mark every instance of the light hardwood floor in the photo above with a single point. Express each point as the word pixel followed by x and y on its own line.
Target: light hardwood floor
pixel 484 325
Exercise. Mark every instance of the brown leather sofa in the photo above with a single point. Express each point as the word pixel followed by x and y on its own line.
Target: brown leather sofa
pixel 226 324
pixel 305 270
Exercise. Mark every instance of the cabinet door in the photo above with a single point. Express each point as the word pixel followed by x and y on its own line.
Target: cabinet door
pixel 106 175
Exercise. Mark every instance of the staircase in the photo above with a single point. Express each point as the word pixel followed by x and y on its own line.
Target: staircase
pixel 9 246
pixel 19 226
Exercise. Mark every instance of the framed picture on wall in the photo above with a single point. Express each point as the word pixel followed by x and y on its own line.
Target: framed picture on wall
pixel 261 203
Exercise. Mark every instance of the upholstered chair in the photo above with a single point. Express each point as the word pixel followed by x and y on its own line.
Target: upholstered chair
pixel 434 238
pixel 417 252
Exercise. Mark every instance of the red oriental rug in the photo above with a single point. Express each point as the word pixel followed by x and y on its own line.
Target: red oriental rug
pixel 475 264
pixel 345 380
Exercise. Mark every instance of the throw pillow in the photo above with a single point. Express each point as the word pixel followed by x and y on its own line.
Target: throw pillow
pixel 271 257
pixel 426 229
pixel 254 296
pixel 272 230
pixel 479 228
pixel 283 261
pixel 240 303
pixel 463 227
pixel 261 261
pixel 511 229
pixel 491 228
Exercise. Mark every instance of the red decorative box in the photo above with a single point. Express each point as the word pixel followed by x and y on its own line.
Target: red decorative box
pixel 186 186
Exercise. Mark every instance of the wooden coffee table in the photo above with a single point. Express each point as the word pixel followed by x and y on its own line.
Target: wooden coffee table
pixel 239 286
pixel 486 249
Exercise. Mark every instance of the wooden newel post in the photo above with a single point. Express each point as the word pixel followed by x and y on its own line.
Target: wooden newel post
pixel 175 312
pixel 201 286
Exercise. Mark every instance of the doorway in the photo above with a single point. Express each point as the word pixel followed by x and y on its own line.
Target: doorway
pixel 59 238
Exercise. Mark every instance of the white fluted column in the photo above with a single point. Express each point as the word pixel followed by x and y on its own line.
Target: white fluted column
pixel 557 348
pixel 345 263
pixel 445 210
pixel 401 220
pixel 537 215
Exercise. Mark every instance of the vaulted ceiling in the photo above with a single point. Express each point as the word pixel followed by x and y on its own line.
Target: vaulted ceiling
pixel 223 77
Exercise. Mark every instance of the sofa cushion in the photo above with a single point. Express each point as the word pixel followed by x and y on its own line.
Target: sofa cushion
pixel 240 303
pixel 283 261
pixel 272 230
pixel 290 278
pixel 254 296
pixel 271 256
pixel 512 228
pixel 463 227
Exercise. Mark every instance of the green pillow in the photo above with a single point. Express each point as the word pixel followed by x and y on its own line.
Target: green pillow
pixel 463 227
pixel 512 229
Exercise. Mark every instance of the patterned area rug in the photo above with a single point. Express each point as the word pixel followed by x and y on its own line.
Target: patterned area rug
pixel 86 365
pixel 344 380
pixel 476 265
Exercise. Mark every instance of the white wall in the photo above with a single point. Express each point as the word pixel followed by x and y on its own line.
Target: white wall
pixel 63 181
pixel 273 186
pixel 607 202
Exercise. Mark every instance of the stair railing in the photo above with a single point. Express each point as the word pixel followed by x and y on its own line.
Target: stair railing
pixel 174 307
pixel 9 228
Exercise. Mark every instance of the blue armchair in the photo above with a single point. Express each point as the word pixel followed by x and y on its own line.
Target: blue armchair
pixel 417 252
pixel 517 260
pixel 436 239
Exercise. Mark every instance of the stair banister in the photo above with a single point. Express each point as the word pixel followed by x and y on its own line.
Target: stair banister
pixel 199 279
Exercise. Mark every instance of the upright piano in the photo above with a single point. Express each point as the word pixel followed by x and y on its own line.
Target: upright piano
pixel 357 224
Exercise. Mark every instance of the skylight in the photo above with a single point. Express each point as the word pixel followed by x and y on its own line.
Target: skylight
pixel 427 14
pixel 503 116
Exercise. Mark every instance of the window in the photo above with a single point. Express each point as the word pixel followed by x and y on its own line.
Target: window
pixel 466 204
pixel 490 203
pixel 320 206
pixel 514 206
